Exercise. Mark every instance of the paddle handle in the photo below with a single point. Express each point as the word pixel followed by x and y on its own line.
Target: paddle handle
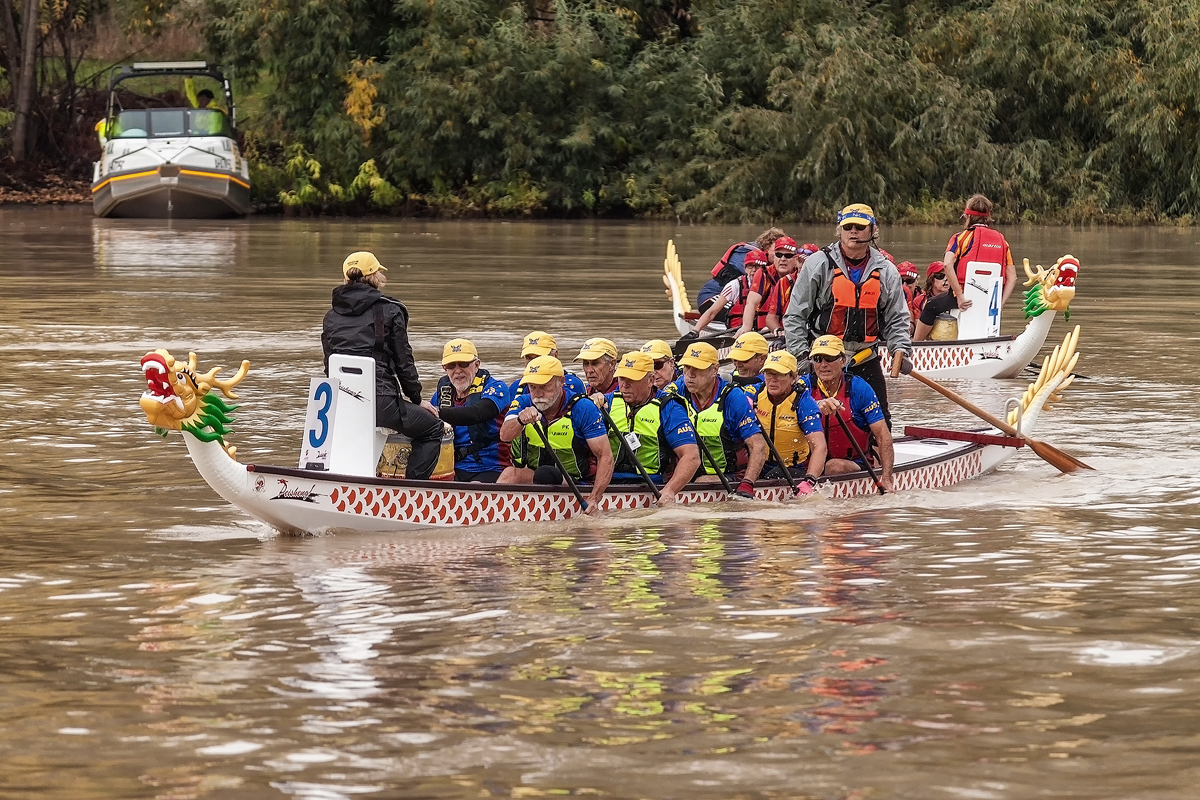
pixel 994 421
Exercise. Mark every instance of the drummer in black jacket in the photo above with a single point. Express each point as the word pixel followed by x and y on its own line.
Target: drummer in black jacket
pixel 366 322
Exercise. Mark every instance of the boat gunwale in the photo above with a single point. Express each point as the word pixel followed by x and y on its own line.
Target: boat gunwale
pixel 957 449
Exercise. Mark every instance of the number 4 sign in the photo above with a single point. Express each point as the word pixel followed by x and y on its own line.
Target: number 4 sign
pixel 318 423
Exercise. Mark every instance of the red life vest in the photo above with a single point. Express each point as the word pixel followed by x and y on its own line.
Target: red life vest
pixel 724 264
pixel 769 277
pixel 835 438
pixel 986 245
pixel 855 301
pixel 733 317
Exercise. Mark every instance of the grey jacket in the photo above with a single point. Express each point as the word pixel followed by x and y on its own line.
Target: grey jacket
pixel 814 290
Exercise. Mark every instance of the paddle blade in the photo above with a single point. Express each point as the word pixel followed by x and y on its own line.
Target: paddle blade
pixel 1063 462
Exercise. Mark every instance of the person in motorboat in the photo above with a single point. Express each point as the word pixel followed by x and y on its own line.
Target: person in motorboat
pixel 934 320
pixel 978 241
pixel 599 358
pixel 665 371
pixel 840 394
pixel 471 401
pixel 665 442
pixel 790 418
pixel 540 343
pixel 748 354
pixel 365 322
pixel 777 301
pixel 573 425
pixel 785 255
pixel 723 418
pixel 732 299
pixel 850 290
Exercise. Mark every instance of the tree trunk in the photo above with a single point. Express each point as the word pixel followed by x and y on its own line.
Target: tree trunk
pixel 12 45
pixel 29 42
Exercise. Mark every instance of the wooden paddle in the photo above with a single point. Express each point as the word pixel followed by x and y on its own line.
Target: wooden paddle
pixel 1056 458
pixel 541 431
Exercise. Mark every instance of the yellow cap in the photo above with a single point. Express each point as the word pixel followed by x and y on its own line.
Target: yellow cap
pixel 365 262
pixel 856 214
pixel 595 348
pixel 657 348
pixel 538 343
pixel 828 345
pixel 700 355
pixel 747 346
pixel 458 351
pixel 541 369
pixel 781 361
pixel 635 366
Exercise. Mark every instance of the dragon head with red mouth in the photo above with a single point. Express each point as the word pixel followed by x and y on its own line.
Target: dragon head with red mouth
pixel 1052 289
pixel 177 398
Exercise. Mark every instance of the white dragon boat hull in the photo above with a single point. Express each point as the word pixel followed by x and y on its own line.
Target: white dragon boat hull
pixel 993 357
pixel 311 501
pixel 315 500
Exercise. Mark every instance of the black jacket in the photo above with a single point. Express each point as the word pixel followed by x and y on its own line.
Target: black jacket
pixel 349 329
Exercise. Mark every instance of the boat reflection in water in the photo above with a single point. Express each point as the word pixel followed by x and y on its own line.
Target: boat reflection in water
pixel 134 249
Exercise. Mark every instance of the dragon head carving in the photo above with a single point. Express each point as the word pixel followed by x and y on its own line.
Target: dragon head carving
pixel 177 398
pixel 1051 289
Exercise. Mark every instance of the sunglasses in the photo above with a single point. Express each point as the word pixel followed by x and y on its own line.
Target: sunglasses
pixel 909 279
pixel 786 256
pixel 458 365
pixel 826 359
pixel 659 363
pixel 941 276
pixel 853 227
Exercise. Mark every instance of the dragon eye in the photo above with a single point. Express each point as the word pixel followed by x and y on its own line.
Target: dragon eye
pixel 179 376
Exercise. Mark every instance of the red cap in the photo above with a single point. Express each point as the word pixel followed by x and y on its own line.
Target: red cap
pixel 935 268
pixel 786 244
pixel 808 248
pixel 757 258
pixel 970 212
pixel 907 269
pixel 887 255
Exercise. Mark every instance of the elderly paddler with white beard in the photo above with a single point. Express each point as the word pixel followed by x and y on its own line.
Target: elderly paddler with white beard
pixel 473 402
pixel 571 422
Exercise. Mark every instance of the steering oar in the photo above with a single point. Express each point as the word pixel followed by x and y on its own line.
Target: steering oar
pixel 1063 462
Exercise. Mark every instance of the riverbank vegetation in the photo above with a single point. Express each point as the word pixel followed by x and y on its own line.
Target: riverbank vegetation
pixel 717 109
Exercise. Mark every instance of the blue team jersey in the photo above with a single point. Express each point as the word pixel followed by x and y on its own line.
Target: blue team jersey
pixel 486 459
pixel 585 417
pixel 864 403
pixel 740 421
pixel 572 384
pixel 808 413
pixel 751 387
pixel 675 426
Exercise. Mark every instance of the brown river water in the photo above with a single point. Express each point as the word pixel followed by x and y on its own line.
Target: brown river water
pixel 1024 635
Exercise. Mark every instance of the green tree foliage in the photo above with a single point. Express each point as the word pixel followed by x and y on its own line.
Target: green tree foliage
pixel 729 109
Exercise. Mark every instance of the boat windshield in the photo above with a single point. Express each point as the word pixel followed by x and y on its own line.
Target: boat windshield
pixel 159 123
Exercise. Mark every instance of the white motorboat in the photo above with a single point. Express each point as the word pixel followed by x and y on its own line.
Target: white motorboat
pixel 170 162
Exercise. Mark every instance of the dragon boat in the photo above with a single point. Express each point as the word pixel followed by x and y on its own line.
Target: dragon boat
pixel 1049 291
pixel 338 486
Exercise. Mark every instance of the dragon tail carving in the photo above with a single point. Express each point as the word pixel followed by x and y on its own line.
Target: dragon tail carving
pixel 1057 372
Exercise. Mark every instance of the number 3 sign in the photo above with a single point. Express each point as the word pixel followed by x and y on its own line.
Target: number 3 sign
pixel 318 423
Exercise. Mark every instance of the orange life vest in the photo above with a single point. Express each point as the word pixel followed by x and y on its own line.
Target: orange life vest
pixel 855 316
